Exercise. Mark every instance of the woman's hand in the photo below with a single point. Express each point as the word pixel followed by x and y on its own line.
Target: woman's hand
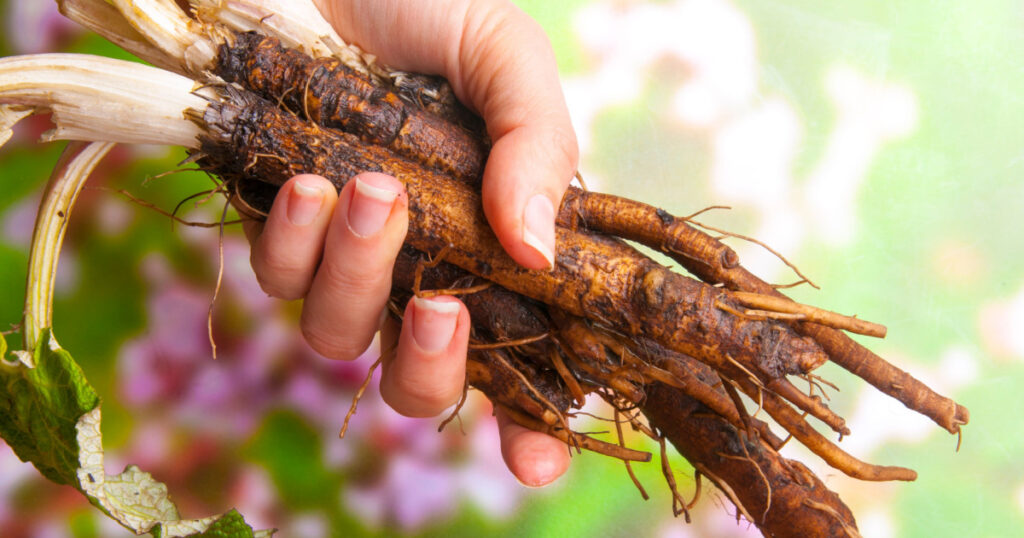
pixel 336 251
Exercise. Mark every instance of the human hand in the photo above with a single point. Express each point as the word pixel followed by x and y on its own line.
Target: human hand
pixel 337 250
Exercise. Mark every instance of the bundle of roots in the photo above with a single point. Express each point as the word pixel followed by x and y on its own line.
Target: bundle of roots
pixel 673 355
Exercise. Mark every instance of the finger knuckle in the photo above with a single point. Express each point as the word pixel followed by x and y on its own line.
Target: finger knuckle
pixel 279 277
pixel 353 279
pixel 424 398
pixel 333 344
pixel 274 263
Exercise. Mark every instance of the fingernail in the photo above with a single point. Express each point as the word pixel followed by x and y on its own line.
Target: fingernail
pixel 539 227
pixel 304 203
pixel 369 209
pixel 433 323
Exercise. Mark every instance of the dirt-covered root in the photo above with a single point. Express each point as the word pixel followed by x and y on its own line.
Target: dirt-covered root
pixel 595 277
pixel 535 394
pixel 714 262
pixel 602 279
pixel 766 479
pixel 442 137
pixel 333 95
pixel 600 357
pixel 782 497
pixel 610 360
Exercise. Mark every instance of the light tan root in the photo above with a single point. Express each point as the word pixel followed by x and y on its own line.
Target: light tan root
pixel 629 467
pixel 785 309
pixel 572 438
pixel 476 346
pixel 724 487
pixel 552 414
pixel 362 390
pixel 458 407
pixel 850 531
pixel 836 457
pixel 220 278
pixel 454 291
pixel 569 379
pixel 697 488
pixel 811 404
pixel 679 505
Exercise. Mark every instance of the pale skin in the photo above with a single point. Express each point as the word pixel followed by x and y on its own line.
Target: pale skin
pixel 336 251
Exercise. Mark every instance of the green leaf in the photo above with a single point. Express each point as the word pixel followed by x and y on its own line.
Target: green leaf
pixel 42 400
pixel 230 526
pixel 50 416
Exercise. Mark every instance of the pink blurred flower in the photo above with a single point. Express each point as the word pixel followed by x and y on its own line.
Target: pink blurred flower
pixel 427 475
pixel 407 475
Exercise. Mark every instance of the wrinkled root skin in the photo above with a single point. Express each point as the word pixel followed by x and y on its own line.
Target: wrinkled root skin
pixel 594 277
pixel 695 430
pixel 699 433
pixel 794 489
pixel 420 120
pixel 334 95
pixel 606 320
pixel 714 262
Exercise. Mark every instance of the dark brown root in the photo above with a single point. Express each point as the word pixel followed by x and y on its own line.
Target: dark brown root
pixel 523 358
pixel 378 115
pixel 678 503
pixel 790 483
pixel 336 96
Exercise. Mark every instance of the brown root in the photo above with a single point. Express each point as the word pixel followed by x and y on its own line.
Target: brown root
pixel 680 418
pixel 801 312
pixel 572 438
pixel 362 390
pixel 606 319
pixel 629 467
pixel 455 412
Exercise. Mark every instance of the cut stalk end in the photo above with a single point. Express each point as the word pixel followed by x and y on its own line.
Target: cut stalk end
pixel 99 99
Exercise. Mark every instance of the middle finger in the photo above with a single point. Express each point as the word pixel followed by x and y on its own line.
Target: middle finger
pixel 342 311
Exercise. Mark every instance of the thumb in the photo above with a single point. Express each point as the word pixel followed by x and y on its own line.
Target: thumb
pixel 507 71
pixel 500 63
pixel 526 175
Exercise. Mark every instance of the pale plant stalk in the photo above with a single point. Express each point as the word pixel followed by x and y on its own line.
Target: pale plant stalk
pixel 104 100
pixel 73 169
pixel 95 103
pixel 159 32
pixel 168 28
pixel 297 23
pixel 104 19
pixel 92 99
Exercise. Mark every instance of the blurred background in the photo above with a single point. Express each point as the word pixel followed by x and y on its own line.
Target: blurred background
pixel 878 145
